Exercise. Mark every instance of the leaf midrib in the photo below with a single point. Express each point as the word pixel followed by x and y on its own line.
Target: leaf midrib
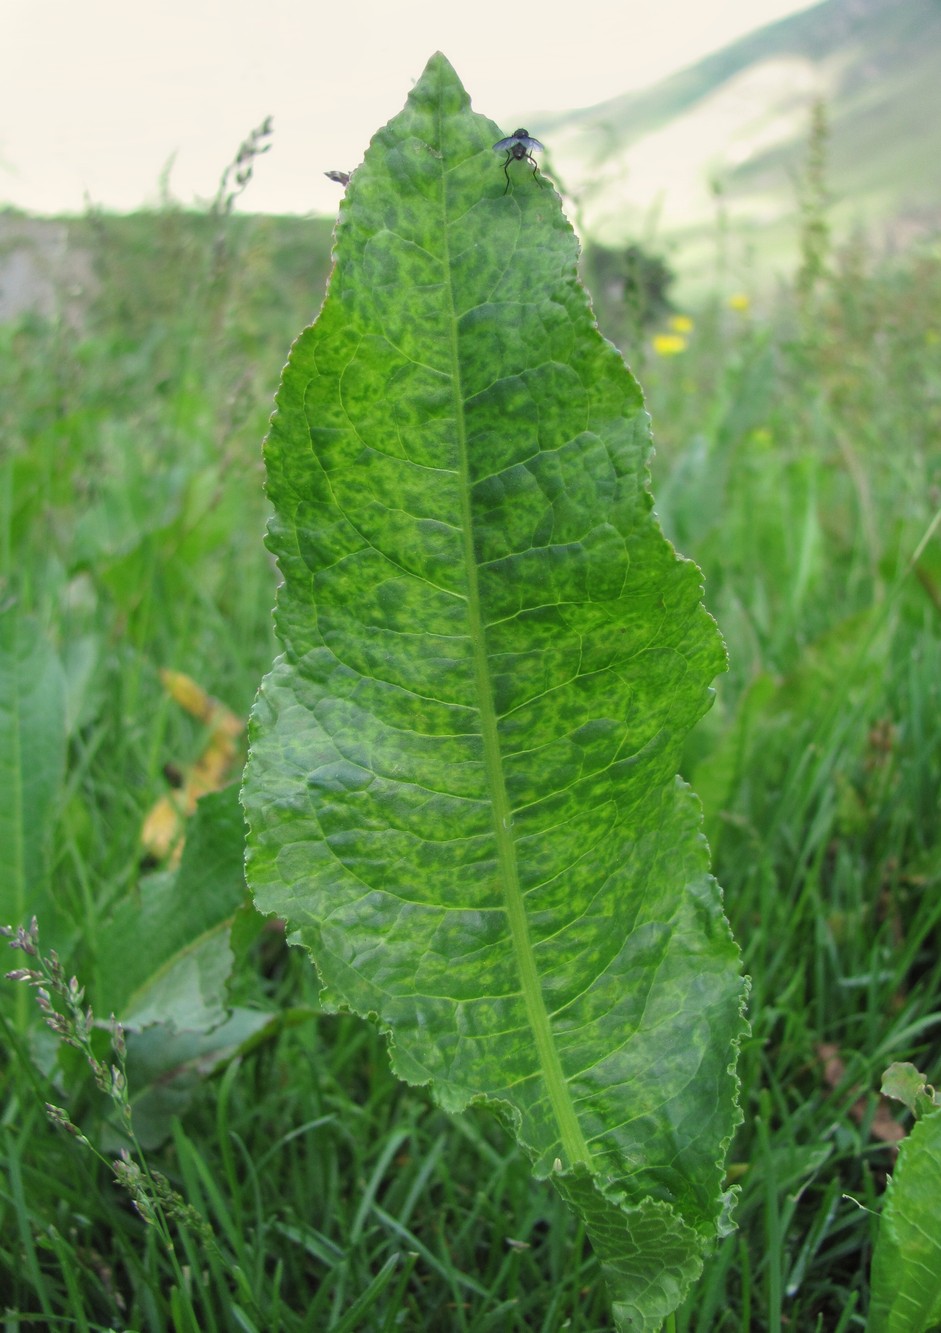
pixel 573 1141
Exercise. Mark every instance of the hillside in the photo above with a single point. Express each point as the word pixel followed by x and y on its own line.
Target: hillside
pixel 729 135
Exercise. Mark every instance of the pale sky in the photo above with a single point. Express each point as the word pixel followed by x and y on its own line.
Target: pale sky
pixel 97 96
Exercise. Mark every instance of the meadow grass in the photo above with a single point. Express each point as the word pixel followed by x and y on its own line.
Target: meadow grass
pixel 798 464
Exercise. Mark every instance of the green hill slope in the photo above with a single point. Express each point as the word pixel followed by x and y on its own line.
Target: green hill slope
pixel 731 132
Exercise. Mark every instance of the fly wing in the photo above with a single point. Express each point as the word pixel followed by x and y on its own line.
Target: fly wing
pixel 519 139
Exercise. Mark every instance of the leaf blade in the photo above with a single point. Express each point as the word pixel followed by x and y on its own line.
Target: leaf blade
pixel 460 788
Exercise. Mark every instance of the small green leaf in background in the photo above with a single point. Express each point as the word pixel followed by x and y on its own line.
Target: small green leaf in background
pixel 165 955
pixel 906 1263
pixel 166 1069
pixel 461 790
pixel 164 963
pixel 32 764
pixel 904 1083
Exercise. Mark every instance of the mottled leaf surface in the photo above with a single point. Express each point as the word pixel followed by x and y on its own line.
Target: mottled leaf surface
pixel 461 791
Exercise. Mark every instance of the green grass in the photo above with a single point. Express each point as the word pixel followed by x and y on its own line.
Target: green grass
pixel 798 464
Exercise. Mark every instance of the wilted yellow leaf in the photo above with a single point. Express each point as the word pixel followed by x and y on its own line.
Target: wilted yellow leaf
pixel 162 832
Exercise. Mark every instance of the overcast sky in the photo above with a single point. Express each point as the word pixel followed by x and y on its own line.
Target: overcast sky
pixel 98 96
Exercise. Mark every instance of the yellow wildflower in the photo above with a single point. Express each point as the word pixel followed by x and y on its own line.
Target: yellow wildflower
pixel 668 344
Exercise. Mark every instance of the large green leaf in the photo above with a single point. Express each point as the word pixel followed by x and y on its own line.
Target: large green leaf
pixel 461 788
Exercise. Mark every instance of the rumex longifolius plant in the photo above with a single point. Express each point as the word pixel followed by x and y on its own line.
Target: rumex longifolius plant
pixel 461 789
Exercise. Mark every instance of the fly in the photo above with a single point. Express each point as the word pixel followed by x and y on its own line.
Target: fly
pixel 518 146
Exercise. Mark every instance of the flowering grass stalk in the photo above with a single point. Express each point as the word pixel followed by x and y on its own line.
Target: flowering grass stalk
pixel 62 1004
